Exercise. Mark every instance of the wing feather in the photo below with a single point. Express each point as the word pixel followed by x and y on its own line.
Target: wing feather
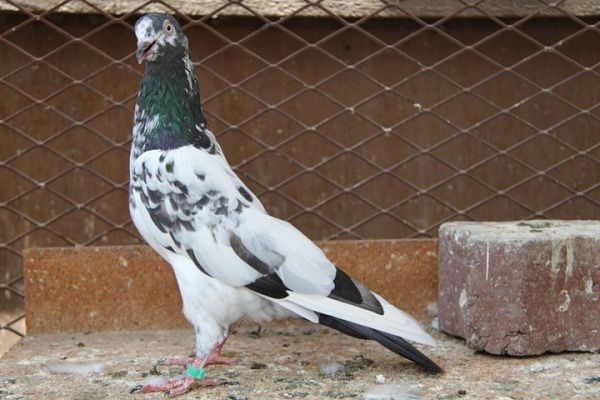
pixel 202 210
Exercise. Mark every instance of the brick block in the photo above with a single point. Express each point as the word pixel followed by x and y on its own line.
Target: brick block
pixel 131 287
pixel 521 288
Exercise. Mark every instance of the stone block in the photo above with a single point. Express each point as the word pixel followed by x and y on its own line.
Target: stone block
pixel 521 288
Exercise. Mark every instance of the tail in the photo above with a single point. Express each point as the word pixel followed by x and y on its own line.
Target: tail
pixel 387 319
pixel 353 309
pixel 391 342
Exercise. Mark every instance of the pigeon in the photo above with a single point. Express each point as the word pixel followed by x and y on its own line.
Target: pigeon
pixel 232 260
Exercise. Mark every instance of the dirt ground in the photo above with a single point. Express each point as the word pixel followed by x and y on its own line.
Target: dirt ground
pixel 7 338
pixel 294 360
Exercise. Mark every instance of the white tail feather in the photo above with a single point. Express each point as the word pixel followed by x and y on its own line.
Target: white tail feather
pixel 393 321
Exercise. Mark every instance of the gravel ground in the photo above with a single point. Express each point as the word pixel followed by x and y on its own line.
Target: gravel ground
pixel 292 360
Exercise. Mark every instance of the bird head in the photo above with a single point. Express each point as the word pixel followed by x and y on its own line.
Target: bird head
pixel 159 38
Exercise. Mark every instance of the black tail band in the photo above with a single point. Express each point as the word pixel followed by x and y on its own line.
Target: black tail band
pixel 391 342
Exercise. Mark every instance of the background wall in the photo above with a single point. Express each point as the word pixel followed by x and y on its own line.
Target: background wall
pixel 376 125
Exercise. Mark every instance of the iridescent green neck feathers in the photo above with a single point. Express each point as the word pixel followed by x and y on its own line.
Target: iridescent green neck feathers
pixel 168 111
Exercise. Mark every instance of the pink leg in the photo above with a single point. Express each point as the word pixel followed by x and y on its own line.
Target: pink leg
pixel 175 387
pixel 214 357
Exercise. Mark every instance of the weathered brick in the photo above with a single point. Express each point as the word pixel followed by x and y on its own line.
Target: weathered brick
pixel 521 288
pixel 130 287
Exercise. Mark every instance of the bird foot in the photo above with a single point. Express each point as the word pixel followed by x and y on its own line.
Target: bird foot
pixel 217 358
pixel 177 386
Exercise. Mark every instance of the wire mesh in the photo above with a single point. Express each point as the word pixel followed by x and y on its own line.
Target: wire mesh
pixel 370 120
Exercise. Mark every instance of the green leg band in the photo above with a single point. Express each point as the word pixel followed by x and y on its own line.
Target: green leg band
pixel 194 372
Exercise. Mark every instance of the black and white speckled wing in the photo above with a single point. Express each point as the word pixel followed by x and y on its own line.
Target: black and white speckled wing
pixel 191 203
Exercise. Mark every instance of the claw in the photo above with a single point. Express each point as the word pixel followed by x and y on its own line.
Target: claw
pixel 136 388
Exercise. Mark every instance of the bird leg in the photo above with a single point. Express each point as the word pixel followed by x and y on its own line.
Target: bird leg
pixel 178 386
pixel 213 357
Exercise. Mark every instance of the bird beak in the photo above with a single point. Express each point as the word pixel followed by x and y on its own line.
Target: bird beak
pixel 143 49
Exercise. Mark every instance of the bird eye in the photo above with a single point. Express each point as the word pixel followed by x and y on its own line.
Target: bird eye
pixel 169 28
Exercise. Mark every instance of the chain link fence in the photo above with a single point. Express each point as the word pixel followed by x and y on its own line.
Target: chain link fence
pixel 366 119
